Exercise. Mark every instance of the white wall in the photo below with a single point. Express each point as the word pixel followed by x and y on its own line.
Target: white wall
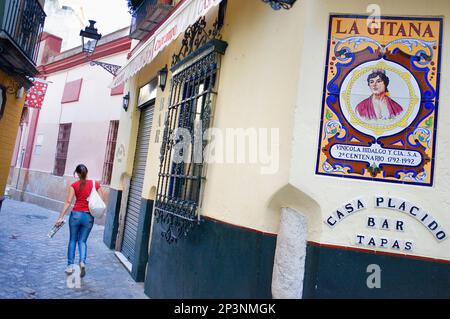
pixel 331 192
pixel 90 118
pixel 65 23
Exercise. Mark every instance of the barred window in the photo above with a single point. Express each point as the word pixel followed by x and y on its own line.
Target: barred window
pixel 182 166
pixel 62 147
pixel 110 151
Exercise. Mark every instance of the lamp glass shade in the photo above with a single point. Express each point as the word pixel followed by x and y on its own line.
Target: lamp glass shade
pixel 89 46
pixel 162 78
pixel 90 38
pixel 126 100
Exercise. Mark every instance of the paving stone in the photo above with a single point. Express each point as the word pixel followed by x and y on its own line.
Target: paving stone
pixel 32 265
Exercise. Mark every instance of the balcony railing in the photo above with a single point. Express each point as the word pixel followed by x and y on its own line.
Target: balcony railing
pixel 21 22
pixel 148 16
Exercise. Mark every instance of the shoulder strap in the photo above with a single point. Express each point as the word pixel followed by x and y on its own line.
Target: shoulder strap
pixel 93 187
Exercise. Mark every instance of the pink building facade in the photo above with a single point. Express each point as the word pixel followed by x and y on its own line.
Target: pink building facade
pixel 77 123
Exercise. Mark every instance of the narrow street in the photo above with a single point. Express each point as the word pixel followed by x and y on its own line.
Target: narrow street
pixel 257 150
pixel 32 265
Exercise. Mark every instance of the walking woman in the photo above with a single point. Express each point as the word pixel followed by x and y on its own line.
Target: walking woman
pixel 80 221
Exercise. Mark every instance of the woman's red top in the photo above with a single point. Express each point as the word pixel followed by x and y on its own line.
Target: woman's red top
pixel 81 195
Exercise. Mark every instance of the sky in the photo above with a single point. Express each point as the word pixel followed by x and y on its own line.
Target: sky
pixel 111 15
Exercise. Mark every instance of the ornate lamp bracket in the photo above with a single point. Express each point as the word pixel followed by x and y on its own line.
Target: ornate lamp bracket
pixel 111 68
pixel 280 4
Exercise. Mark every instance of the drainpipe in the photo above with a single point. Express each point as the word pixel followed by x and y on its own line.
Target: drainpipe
pixel 20 168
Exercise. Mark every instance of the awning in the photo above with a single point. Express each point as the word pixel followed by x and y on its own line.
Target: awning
pixel 187 14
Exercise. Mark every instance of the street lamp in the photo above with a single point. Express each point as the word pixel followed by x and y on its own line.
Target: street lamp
pixel 89 40
pixel 162 78
pixel 125 102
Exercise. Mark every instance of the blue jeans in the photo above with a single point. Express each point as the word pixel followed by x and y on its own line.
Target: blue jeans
pixel 80 224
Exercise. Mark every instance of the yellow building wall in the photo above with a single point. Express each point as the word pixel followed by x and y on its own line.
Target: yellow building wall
pixel 272 77
pixel 235 193
pixel 129 124
pixel 330 193
pixel 126 139
pixel 9 125
pixel 161 107
pixel 257 89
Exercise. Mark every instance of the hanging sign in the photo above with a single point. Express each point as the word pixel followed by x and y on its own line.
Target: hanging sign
pixel 380 99
pixel 36 94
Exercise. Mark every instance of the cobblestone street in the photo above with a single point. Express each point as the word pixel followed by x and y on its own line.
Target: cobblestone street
pixel 32 265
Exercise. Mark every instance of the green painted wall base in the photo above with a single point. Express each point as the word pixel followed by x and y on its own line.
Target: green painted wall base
pixel 142 239
pixel 215 260
pixel 340 273
pixel 112 218
pixel 143 233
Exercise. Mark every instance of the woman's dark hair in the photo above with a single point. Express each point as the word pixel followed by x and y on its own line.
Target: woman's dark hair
pixel 382 76
pixel 81 171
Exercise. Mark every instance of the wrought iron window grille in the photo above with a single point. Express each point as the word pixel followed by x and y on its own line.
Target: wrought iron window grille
pixel 280 4
pixel 23 21
pixel 62 147
pixel 195 37
pixel 193 90
pixel 110 151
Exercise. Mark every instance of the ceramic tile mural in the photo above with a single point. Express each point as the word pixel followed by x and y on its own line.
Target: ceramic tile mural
pixel 380 99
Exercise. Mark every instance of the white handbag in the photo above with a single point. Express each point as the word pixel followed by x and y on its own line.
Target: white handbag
pixel 96 205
